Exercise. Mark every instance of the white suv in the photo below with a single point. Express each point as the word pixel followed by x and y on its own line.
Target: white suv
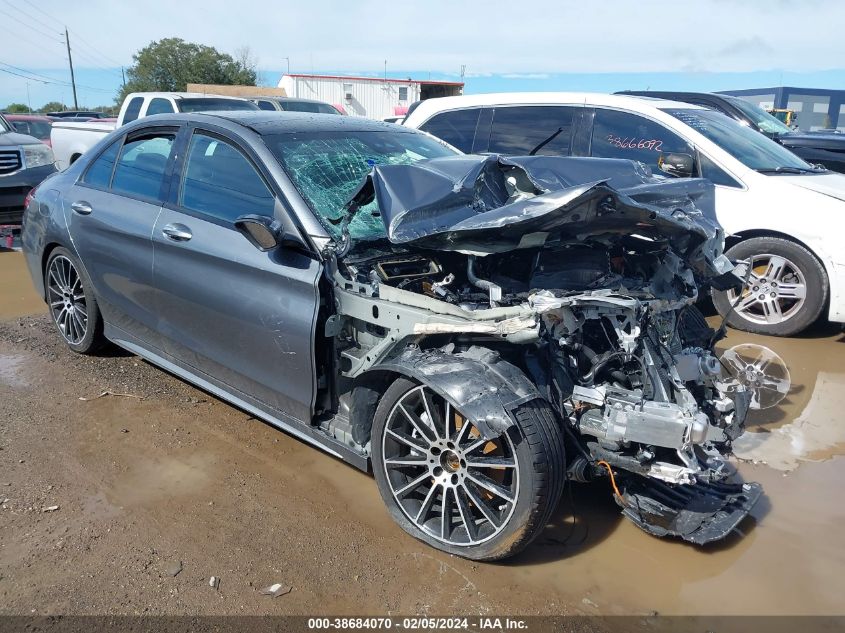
pixel 781 213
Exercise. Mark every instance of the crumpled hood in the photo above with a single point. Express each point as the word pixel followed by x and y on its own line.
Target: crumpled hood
pixel 490 204
pixel 832 184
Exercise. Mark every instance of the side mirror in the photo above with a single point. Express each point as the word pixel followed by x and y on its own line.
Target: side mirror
pixel 678 165
pixel 266 233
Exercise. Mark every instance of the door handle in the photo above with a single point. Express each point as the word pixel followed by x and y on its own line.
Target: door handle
pixel 81 207
pixel 177 232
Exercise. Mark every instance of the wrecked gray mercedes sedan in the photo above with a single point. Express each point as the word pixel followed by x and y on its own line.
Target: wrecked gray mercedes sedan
pixel 476 329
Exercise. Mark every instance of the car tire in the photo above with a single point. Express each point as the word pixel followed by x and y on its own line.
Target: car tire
pixel 480 525
pixel 71 302
pixel 785 294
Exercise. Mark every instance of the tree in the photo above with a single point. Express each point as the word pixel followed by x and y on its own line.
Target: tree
pixel 170 64
pixel 17 108
pixel 52 106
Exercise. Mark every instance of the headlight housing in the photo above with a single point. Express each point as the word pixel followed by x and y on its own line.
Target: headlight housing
pixel 37 155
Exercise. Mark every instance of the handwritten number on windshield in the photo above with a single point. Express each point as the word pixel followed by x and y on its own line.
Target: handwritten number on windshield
pixel 635 143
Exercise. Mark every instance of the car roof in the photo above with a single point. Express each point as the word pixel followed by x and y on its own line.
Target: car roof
pixel 183 95
pixel 289 99
pixel 26 117
pixel 273 122
pixel 431 106
pixel 676 95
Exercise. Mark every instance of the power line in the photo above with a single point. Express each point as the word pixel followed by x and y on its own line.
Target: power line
pixel 29 26
pixel 31 72
pixel 82 50
pixel 33 76
pixel 90 61
pixel 30 16
pixel 89 46
pixel 3 70
pixel 79 39
pixel 40 10
pixel 21 38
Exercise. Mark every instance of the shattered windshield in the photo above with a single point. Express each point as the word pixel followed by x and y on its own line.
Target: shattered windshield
pixel 328 167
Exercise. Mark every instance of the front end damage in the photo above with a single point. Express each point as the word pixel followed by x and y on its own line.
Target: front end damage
pixel 498 281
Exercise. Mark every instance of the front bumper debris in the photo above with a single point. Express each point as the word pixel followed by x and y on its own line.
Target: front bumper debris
pixel 698 513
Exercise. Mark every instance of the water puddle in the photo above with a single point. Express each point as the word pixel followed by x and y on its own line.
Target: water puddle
pixel 153 480
pixel 818 433
pixel 11 373
pixel 98 507
pixel 19 296
pixel 807 425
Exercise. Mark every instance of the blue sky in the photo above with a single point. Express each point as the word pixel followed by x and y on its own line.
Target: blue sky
pixel 532 45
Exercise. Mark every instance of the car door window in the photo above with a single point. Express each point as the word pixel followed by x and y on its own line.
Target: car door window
pixel 519 129
pixel 160 106
pixel 623 135
pixel 716 174
pixel 133 109
pixel 140 168
pixel 265 105
pixel 221 182
pixel 99 172
pixel 456 127
pixel 21 126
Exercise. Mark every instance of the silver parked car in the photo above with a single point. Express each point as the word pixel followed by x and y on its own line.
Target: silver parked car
pixel 474 329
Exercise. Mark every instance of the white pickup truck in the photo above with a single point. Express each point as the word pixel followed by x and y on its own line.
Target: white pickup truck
pixel 71 140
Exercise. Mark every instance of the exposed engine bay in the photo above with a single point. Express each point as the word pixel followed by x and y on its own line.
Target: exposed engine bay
pixel 587 287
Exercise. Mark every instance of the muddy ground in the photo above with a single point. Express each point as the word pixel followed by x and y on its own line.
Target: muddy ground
pixel 174 479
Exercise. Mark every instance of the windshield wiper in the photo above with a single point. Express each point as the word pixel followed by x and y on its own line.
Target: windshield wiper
pixel 788 170
pixel 546 142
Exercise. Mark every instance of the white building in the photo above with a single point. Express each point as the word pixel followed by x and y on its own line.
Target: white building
pixel 367 96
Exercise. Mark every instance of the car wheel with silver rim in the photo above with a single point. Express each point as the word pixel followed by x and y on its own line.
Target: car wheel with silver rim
pixel 71 302
pixel 786 289
pixel 478 497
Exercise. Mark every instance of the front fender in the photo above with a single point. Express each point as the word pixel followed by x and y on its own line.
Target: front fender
pixel 478 382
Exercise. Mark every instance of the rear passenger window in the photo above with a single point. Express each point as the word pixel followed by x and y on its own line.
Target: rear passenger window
pixel 624 135
pixel 221 182
pixel 519 129
pixel 133 109
pixel 160 106
pixel 265 105
pixel 99 173
pixel 456 127
pixel 140 169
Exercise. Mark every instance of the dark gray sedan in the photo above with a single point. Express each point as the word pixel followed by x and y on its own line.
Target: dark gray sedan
pixel 476 329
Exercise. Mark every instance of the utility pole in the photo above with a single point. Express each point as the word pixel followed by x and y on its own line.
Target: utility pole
pixel 123 74
pixel 72 78
pixel 28 100
pixel 287 59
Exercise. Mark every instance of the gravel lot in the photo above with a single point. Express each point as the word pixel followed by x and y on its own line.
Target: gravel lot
pixel 160 489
